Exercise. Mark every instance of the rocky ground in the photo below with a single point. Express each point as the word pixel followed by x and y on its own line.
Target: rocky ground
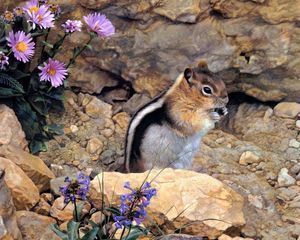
pixel 256 151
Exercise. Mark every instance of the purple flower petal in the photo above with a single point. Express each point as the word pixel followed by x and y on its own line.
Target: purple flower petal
pixel 99 24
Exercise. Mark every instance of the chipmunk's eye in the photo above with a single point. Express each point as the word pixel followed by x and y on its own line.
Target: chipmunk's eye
pixel 207 90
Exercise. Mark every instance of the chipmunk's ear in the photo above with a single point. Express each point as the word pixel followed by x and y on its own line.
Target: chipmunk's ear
pixel 202 65
pixel 188 74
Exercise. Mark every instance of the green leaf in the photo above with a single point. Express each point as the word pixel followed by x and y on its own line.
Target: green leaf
pixel 54 129
pixel 8 93
pixel 79 208
pixel 17 74
pixel 60 233
pixel 91 234
pixel 36 146
pixel 47 44
pixel 136 231
pixel 9 81
pixel 113 210
pixel 72 228
pixel 89 46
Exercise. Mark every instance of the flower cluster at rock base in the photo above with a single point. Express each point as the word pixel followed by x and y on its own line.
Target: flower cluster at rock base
pixel 75 188
pixel 133 205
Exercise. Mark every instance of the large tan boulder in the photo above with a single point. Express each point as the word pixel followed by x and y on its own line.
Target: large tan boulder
pixel 24 193
pixel 33 166
pixel 8 220
pixel 35 227
pixel 10 129
pixel 184 197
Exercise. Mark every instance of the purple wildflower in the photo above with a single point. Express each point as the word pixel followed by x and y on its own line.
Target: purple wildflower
pixel 40 16
pixel 18 11
pixel 75 188
pixel 8 16
pixel 31 6
pixel 3 60
pixel 54 71
pixel 133 205
pixel 21 44
pixel 99 24
pixel 55 9
pixel 71 26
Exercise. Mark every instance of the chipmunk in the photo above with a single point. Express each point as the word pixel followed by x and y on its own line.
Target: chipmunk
pixel 167 131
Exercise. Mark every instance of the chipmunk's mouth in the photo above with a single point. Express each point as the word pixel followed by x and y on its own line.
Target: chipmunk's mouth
pixel 221 111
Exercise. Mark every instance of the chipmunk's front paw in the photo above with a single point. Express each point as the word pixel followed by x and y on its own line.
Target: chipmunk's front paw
pixel 217 113
pixel 215 116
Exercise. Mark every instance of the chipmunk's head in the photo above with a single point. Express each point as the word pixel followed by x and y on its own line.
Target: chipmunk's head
pixel 207 89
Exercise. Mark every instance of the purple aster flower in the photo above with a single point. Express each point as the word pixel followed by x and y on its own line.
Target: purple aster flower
pixel 55 9
pixel 54 71
pixel 3 61
pixel 18 11
pixel 21 44
pixel 99 24
pixel 31 6
pixel 71 26
pixel 40 16
pixel 75 188
pixel 8 16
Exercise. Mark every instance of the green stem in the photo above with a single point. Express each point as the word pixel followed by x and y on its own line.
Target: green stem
pixel 43 48
pixel 76 54
pixel 76 213
pixel 58 44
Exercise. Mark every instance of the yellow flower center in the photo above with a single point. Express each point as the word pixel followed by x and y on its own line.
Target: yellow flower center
pixel 51 71
pixel 34 9
pixel 21 47
pixel 8 16
pixel 40 18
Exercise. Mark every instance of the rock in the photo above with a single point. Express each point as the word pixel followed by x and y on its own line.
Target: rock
pixel 60 211
pixel 248 157
pixel 35 227
pixel 33 166
pixel 74 128
pixel 64 213
pixel 48 197
pixel 226 237
pixel 96 108
pixel 24 193
pixel 295 169
pixel 94 146
pixel 8 221
pixel 122 120
pixel 287 109
pixel 135 103
pixel 284 179
pixel 294 143
pixel 97 217
pixel 10 129
pixel 179 237
pixel 298 123
pixel 42 208
pixel 196 196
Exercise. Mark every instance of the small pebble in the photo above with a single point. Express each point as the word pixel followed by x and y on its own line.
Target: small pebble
pixel 294 143
pixel 74 128
pixel 298 123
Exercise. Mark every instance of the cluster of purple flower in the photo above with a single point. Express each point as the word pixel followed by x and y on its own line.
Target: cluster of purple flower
pixel 41 15
pixel 75 188
pixel 133 205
